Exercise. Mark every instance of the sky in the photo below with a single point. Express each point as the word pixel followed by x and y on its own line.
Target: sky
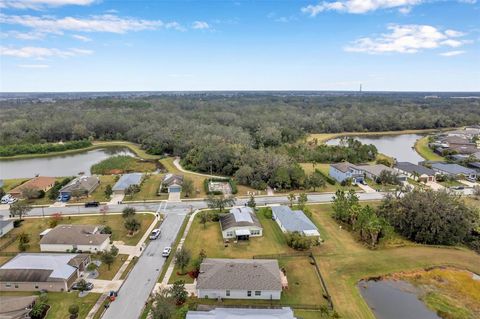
pixel 116 45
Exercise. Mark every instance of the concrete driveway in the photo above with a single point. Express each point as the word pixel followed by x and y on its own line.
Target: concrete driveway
pixel 435 186
pixel 366 188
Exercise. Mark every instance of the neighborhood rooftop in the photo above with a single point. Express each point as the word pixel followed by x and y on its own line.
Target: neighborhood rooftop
pixel 453 168
pixel 413 168
pixel 293 220
pixel 239 217
pixel 239 274
pixel 242 313
pixel 127 180
pixel 82 182
pixel 344 166
pixel 75 235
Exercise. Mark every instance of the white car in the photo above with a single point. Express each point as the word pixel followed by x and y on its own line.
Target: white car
pixel 8 199
pixel 155 234
pixel 166 251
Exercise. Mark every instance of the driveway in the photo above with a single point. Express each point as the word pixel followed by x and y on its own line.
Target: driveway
pixel 174 196
pixel 435 186
pixel 468 183
pixel 142 279
pixel 115 199
pixel 366 188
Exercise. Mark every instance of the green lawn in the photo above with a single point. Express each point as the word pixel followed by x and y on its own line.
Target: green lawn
pixel 122 164
pixel 149 189
pixel 60 301
pixel 34 226
pixel 325 168
pixel 421 146
pixel 451 183
pixel 108 274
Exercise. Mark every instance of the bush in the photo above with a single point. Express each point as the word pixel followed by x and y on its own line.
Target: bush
pixel 298 241
pixel 17 223
pixel 21 149
pixel 107 230
pixel 73 311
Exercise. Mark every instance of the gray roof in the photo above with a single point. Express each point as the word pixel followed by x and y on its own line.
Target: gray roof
pixel 243 313
pixel 344 166
pixel 74 235
pixel 375 169
pixel 171 179
pixel 31 267
pixel 239 274
pixel 127 180
pixel 413 168
pixel 87 183
pixel 453 169
pixel 293 220
pixel 239 217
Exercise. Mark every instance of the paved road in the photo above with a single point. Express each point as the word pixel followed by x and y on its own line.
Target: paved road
pixel 142 279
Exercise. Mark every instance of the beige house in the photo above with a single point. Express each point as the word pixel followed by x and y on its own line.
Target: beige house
pixel 40 271
pixel 85 238
pixel 241 224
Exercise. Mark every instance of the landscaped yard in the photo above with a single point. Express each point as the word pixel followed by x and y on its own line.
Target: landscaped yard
pixel 108 274
pixel 60 301
pixel 149 189
pixel 309 168
pixel 451 183
pixel 34 226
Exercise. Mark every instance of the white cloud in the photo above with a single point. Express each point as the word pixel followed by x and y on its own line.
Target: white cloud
pixel 102 23
pixel 406 39
pixel 200 25
pixel 81 38
pixel 34 66
pixel 39 4
pixel 452 53
pixel 23 35
pixel 41 53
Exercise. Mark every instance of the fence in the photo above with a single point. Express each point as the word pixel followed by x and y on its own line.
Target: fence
pixel 297 254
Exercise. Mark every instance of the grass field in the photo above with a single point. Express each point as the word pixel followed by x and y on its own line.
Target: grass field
pixel 421 146
pixel 60 301
pixel 108 274
pixel 149 189
pixel 344 261
pixel 34 226
pixel 324 168
pixel 122 164
pixel 197 179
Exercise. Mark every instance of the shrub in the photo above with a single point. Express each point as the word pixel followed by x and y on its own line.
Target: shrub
pixel 298 241
pixel 73 311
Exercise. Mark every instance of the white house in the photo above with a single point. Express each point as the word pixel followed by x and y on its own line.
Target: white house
pixel 5 226
pixel 294 221
pixel 241 223
pixel 345 170
pixel 77 237
pixel 240 279
pixel 243 313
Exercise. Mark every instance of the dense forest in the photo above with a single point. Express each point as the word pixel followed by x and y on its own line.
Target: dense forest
pixel 246 136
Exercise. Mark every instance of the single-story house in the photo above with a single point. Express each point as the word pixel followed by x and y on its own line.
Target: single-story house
pixel 241 223
pixel 172 183
pixel 16 307
pixel 40 183
pixel 345 170
pixel 6 225
pixel 294 221
pixel 126 181
pixel 86 184
pixel 454 170
pixel 416 172
pixel 243 313
pixel 373 171
pixel 79 237
pixel 41 271
pixel 239 279
pixel 475 165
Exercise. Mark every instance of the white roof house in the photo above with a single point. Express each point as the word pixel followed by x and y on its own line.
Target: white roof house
pixel 242 313
pixel 294 221
pixel 240 223
pixel 57 263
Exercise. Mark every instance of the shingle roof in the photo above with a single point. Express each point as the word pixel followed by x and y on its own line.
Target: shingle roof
pixel 127 180
pixel 171 179
pixel 453 168
pixel 241 274
pixel 29 267
pixel 243 313
pixel 39 182
pixel 344 166
pixel 239 217
pixel 375 169
pixel 413 168
pixel 74 235
pixel 83 182
pixel 293 220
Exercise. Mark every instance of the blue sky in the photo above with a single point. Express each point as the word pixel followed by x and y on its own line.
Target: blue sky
pixel 90 45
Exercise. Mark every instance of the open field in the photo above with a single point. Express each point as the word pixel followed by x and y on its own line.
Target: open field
pixel 122 164
pixel 34 226
pixel 344 261
pixel 60 301
pixel 421 146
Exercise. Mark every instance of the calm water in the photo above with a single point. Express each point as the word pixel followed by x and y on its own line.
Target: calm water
pixel 62 165
pixel 394 300
pixel 396 146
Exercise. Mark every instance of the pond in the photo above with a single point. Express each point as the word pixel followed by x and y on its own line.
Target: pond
pixel 58 165
pixel 400 147
pixel 391 299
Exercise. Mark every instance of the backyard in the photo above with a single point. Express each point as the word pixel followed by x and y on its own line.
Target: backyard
pixel 149 189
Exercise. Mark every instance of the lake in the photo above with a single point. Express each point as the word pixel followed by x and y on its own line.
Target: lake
pixel 396 146
pixel 390 299
pixel 58 165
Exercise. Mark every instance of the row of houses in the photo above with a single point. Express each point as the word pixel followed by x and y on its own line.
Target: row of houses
pixel 464 142
pixel 357 173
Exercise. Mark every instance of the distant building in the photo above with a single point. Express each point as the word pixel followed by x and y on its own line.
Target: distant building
pixel 6 225
pixel 294 221
pixel 416 172
pixel 40 183
pixel 243 313
pixel 344 170
pixel 171 183
pixel 41 271
pixel 80 237
pixel 239 279
pixel 86 184
pixel 454 170
pixel 126 181
pixel 241 224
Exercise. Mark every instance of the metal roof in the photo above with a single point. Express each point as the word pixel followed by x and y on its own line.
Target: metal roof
pixel 242 313
pixel 127 180
pixel 453 169
pixel 242 214
pixel 293 220
pixel 239 217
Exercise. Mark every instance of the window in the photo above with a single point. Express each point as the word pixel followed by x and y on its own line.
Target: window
pixel 258 293
pixel 255 232
pixel 16 285
pixel 230 234
pixel 8 285
pixel 249 293
pixel 227 293
pixel 36 286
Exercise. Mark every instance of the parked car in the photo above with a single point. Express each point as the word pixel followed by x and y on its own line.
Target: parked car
pixel 8 199
pixel 76 286
pixel 166 251
pixel 155 234
pixel 63 198
pixel 92 204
